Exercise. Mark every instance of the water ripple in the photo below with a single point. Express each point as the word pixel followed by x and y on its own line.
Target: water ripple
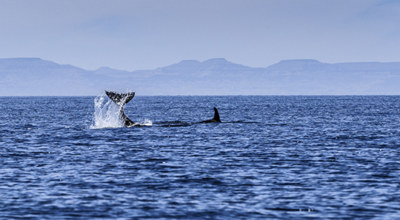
pixel 272 157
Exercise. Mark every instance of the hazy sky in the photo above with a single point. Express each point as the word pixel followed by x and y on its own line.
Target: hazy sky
pixel 145 34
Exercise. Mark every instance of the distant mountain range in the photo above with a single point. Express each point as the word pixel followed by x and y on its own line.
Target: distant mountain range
pixel 34 76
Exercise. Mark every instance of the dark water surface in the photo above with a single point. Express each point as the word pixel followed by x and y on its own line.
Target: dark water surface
pixel 273 157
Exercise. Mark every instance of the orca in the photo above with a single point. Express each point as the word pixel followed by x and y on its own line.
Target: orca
pixel 121 99
pixel 216 118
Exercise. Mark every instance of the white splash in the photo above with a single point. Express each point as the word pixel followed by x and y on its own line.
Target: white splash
pixel 106 114
pixel 146 122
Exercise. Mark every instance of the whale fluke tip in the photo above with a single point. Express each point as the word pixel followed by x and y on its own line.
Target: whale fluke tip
pixel 120 98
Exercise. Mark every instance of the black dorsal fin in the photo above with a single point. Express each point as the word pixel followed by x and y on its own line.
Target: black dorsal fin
pixel 216 115
pixel 120 98
pixel 215 119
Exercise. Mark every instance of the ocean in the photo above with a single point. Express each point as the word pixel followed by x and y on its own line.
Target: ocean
pixel 286 157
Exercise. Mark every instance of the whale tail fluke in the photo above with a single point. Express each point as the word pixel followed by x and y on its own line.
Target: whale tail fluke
pixel 120 98
pixel 216 115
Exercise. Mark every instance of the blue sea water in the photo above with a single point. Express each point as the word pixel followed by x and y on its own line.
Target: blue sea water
pixel 287 157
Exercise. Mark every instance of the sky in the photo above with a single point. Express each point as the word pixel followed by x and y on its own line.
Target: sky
pixel 146 34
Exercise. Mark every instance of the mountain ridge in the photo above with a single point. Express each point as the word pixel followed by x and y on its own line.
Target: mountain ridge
pixel 217 76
